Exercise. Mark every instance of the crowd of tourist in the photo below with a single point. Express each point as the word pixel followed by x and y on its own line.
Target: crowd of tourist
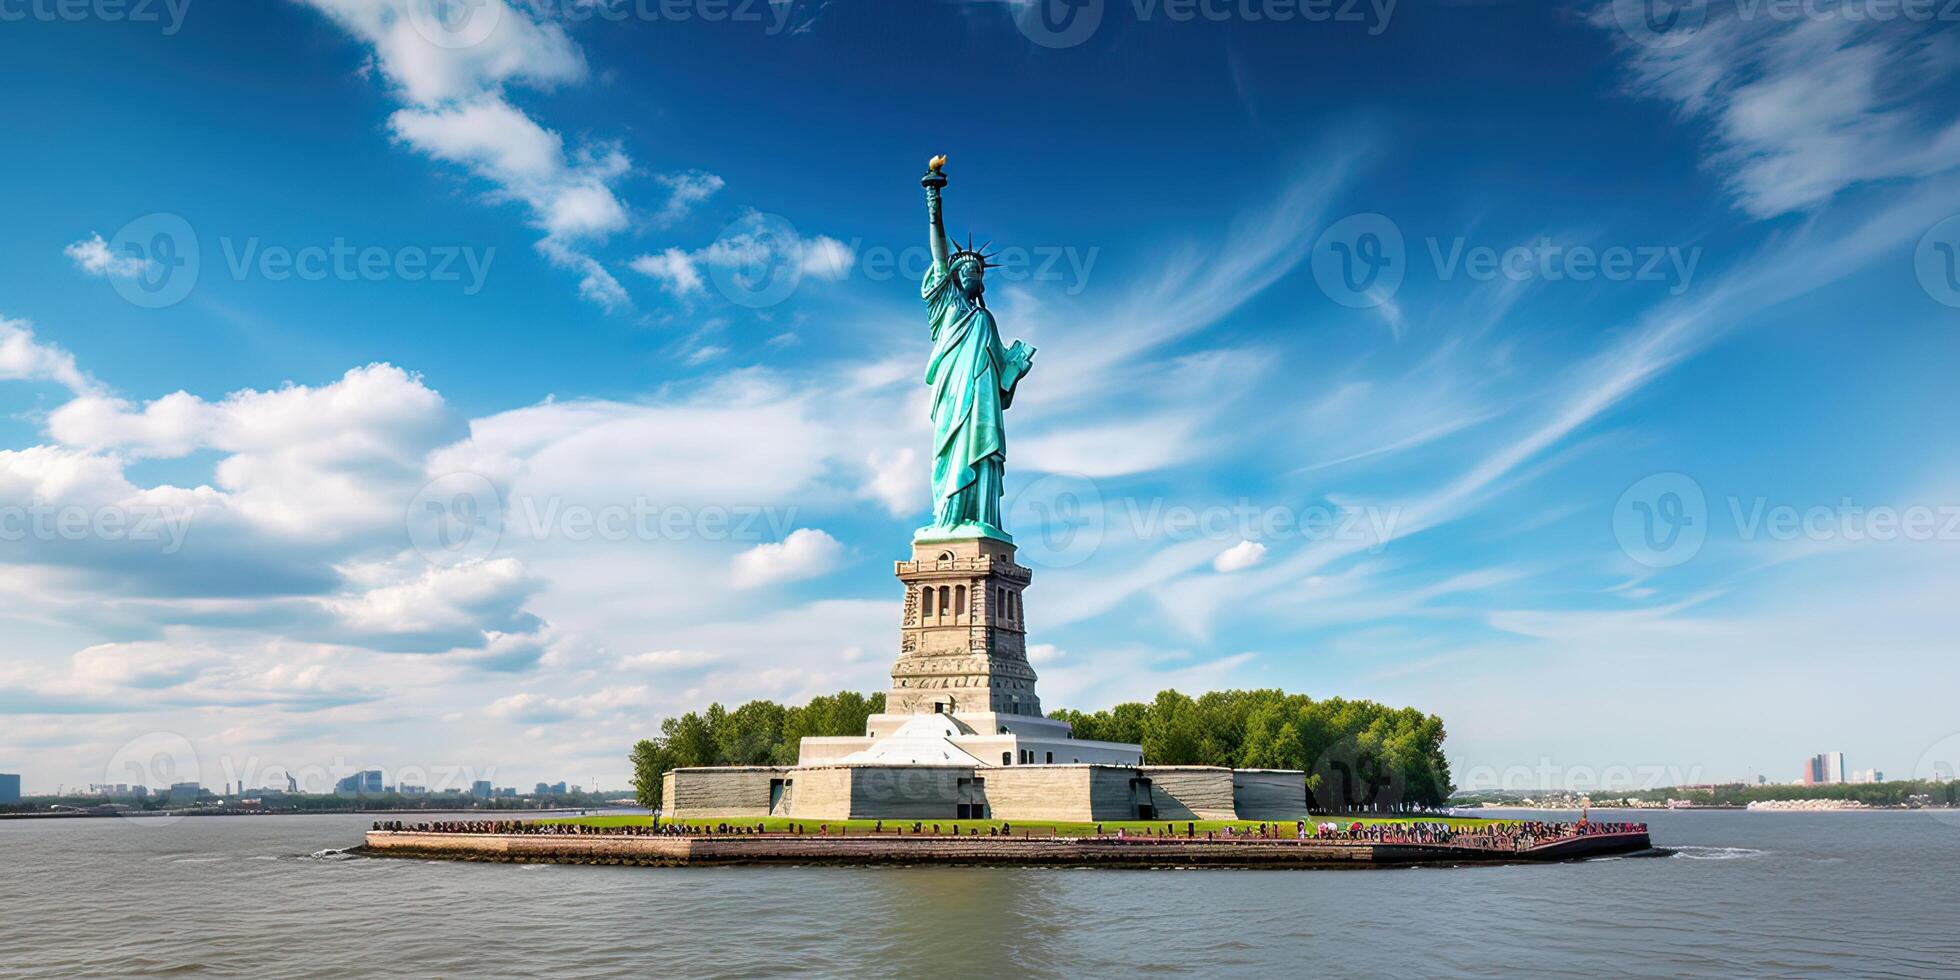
pixel 1506 836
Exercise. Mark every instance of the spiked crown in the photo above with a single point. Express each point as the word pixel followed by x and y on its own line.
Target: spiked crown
pixel 970 254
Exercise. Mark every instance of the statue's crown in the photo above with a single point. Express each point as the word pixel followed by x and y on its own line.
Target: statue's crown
pixel 979 255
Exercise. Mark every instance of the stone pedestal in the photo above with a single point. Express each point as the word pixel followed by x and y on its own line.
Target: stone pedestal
pixel 963 643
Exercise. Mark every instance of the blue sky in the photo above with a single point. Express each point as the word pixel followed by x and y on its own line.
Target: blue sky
pixel 1557 321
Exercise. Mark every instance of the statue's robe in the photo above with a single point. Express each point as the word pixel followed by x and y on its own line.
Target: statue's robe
pixel 972 379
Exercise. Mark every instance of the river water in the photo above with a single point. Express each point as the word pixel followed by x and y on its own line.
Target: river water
pixel 1873 894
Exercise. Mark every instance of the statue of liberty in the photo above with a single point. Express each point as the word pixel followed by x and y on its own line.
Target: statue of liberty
pixel 972 378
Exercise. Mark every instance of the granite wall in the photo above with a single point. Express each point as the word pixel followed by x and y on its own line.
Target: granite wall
pixel 1269 794
pixel 1190 792
pixel 693 794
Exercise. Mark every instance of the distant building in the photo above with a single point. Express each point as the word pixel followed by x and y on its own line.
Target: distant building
pixel 367 782
pixel 1813 771
pixel 481 789
pixel 182 794
pixel 1834 767
pixel 558 787
pixel 1868 776
pixel 9 787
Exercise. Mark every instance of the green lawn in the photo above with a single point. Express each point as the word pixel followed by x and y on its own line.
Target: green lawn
pixel 1041 827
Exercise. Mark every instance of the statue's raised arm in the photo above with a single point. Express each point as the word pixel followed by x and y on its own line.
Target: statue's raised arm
pixel 935 181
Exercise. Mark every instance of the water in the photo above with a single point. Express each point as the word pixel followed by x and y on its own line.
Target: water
pixel 1750 893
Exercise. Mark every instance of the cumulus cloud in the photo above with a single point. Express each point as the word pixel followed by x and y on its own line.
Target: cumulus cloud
pixel 806 553
pixel 463 601
pixel 1243 555
pixel 308 461
pixel 92 256
pixel 23 358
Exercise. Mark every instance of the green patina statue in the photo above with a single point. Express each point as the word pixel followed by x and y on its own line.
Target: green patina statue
pixel 972 378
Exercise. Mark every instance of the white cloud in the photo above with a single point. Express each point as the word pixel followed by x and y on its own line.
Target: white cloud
pixel 762 246
pixel 898 480
pixel 303 460
pixel 92 256
pixel 827 258
pixel 1044 653
pixel 471 596
pixel 23 358
pixel 1243 555
pixel 457 112
pixel 659 660
pixel 1803 108
pixel 539 709
pixel 428 67
pixel 674 269
pixel 684 191
pixel 806 553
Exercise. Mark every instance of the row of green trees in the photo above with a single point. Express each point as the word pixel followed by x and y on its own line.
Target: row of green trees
pixel 1358 755
pixel 759 733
